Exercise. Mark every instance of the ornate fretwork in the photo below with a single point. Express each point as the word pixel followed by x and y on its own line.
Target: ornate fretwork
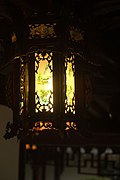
pixel 70 108
pixel 70 82
pixel 44 81
pixel 42 31
pixel 76 34
pixel 40 126
pixel 22 86
pixel 71 125
pixel 44 107
pixel 41 56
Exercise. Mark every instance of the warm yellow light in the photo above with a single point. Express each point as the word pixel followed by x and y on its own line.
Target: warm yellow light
pixel 40 126
pixel 70 85
pixel 71 125
pixel 44 81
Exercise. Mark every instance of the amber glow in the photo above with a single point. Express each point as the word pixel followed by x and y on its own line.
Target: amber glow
pixel 44 81
pixel 71 125
pixel 34 147
pixel 27 146
pixel 40 126
pixel 70 85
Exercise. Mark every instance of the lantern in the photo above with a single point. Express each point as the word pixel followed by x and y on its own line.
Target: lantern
pixel 50 86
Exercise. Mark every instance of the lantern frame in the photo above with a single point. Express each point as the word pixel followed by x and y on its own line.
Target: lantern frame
pixel 60 42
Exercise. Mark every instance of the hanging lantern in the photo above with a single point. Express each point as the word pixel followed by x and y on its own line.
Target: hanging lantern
pixel 50 87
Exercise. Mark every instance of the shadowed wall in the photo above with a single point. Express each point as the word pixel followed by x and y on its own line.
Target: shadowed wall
pixel 9 149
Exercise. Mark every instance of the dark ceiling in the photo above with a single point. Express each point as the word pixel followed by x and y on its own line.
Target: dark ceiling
pixel 101 19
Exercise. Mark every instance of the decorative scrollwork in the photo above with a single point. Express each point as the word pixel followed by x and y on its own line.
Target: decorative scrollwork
pixel 70 108
pixel 41 56
pixel 42 31
pixel 40 126
pixel 22 86
pixel 71 125
pixel 70 58
pixel 76 34
pixel 39 107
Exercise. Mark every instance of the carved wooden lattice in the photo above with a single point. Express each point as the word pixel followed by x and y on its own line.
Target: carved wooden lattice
pixel 71 125
pixel 40 126
pixel 22 86
pixel 42 31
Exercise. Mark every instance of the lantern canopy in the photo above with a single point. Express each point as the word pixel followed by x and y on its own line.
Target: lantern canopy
pixel 50 86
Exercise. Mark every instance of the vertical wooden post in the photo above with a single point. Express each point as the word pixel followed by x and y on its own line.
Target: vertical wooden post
pixel 36 173
pixel 79 160
pixel 43 173
pixel 57 168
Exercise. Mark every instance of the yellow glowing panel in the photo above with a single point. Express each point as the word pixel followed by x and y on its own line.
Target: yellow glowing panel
pixel 44 84
pixel 70 88
pixel 70 83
